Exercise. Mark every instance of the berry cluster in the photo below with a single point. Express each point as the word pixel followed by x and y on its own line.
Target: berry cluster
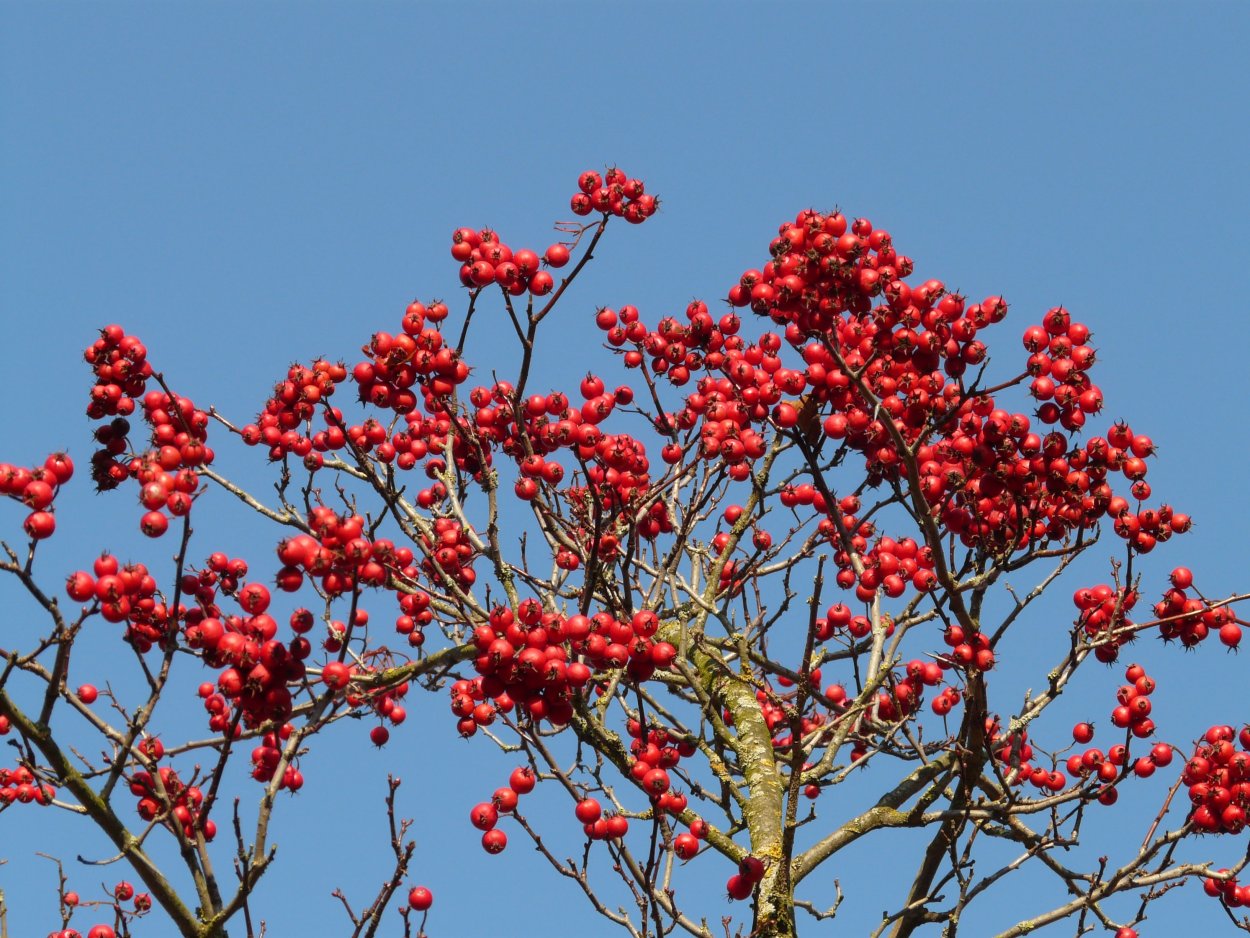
pixel 1134 707
pixel 121 367
pixel 294 403
pixel 485 816
pixel 654 753
pixel 1015 751
pixel 613 193
pixel 257 667
pixel 1106 767
pixel 449 553
pixel 1059 362
pixel 885 365
pixel 968 649
pixel 742 883
pixel 889 565
pixel 179 429
pixel 1218 777
pixel 122 892
pixel 1234 896
pixel 96 931
pixel 268 756
pixel 20 784
pixel 170 796
pixel 905 698
pixel 125 594
pixel 1103 615
pixel 1132 713
pixel 37 488
pixel 340 556
pixel 1191 618
pixel 484 259
pixel 534 659
pixel 415 357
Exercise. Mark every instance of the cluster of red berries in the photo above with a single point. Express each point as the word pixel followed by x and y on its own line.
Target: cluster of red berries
pixel 416 357
pixel 617 468
pixel 340 556
pixel 1015 751
pixel 675 351
pixel 538 660
pixel 37 488
pixel 20 784
pixel 1059 362
pixel 968 649
pixel 1234 896
pixel 534 659
pixel 654 753
pixel 415 615
pixel 122 892
pixel 179 432
pixel 268 756
pixel 880 357
pixel 385 702
pixel 1106 767
pixel 257 667
pixel 164 485
pixel 1145 527
pixel 1218 778
pixel 686 844
pixel 946 701
pixel 613 193
pixel 773 709
pixel 597 825
pixel 413 358
pixel 449 553
pixel 295 401
pixel 96 931
pixel 742 883
pixel 1133 713
pixel 1191 618
pixel 485 816
pixel 179 429
pixel 906 696
pixel 892 704
pixel 485 259
pixel 890 565
pixel 121 367
pixel 125 594
pixel 182 802
pixel 1133 703
pixel 1103 611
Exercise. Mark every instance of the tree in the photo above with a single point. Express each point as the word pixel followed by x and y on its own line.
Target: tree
pixel 613 584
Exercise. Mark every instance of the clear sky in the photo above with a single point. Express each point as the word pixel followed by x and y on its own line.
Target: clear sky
pixel 248 185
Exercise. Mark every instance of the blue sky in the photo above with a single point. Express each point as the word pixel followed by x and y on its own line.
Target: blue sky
pixel 248 185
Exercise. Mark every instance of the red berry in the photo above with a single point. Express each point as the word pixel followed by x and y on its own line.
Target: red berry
pixel 739 887
pixel 40 525
pixel 154 524
pixel 522 780
pixel 541 283
pixel 588 811
pixel 557 255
